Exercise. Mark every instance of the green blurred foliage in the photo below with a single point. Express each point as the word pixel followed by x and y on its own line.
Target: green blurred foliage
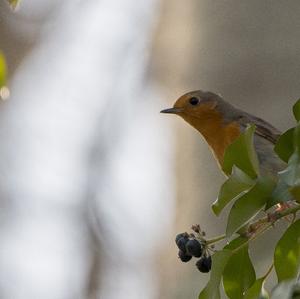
pixel 13 3
pixel 3 70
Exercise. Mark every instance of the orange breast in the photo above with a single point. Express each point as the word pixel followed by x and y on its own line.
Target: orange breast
pixel 217 134
pixel 220 139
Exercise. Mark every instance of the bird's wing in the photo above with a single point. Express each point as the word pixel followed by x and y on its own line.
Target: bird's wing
pixel 263 128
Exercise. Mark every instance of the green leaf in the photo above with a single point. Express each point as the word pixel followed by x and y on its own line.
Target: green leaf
pixel 280 194
pixel 3 70
pixel 297 139
pixel 287 253
pixel 257 290
pixel 285 290
pixel 296 110
pixel 285 145
pixel 13 3
pixel 236 243
pixel 248 205
pixel 242 154
pixel 219 261
pixel 291 175
pixel 239 273
pixel 232 189
pixel 295 191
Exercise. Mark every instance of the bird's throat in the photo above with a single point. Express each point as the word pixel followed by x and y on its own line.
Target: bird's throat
pixel 217 134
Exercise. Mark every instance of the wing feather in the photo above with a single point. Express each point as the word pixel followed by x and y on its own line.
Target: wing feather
pixel 263 128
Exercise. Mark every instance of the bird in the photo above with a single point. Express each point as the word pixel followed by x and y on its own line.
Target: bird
pixel 220 123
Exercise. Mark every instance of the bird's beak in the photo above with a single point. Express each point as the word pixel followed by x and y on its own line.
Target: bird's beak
pixel 172 110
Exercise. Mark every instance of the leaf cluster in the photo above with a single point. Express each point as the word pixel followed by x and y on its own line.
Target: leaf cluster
pixel 251 193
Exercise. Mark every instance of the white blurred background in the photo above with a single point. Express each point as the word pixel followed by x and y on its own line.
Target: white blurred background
pixel 94 182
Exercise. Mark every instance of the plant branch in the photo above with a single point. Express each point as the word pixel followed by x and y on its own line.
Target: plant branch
pixel 261 225
pixel 271 218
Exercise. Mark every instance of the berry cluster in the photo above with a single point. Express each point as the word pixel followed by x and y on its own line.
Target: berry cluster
pixel 191 246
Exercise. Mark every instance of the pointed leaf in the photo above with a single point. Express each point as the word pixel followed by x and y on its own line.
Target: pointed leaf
pixel 285 145
pixel 287 253
pixel 296 110
pixel 242 154
pixel 247 206
pixel 239 273
pixel 232 189
pixel 219 261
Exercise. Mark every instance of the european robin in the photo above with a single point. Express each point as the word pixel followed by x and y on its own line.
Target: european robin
pixel 220 124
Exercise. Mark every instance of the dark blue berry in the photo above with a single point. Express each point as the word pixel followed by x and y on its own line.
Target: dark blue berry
pixel 204 264
pixel 183 256
pixel 181 244
pixel 181 240
pixel 194 248
pixel 179 236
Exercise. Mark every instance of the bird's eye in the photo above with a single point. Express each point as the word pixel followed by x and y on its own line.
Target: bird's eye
pixel 194 101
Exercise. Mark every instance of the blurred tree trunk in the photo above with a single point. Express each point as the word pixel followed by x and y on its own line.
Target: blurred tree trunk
pixel 82 158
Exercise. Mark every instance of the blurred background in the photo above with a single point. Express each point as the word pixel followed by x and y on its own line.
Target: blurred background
pixel 94 182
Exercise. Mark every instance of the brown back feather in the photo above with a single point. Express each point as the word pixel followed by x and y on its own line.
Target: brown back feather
pixel 263 128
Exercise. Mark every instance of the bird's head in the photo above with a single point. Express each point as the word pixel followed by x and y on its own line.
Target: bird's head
pixel 197 106
pixel 214 118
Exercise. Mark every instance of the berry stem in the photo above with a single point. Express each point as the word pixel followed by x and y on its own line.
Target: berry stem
pixel 216 239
